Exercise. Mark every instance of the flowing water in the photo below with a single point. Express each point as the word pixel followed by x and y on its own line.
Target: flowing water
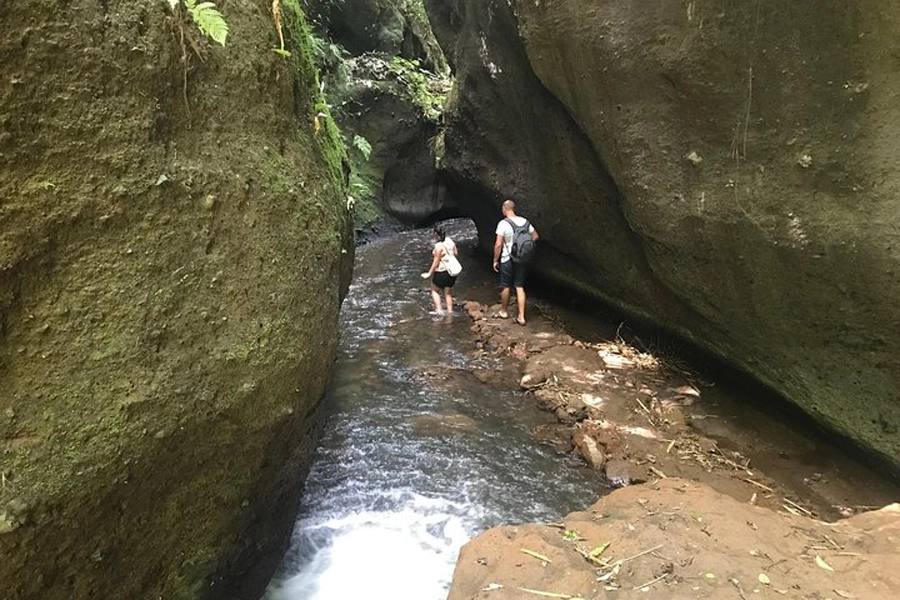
pixel 417 454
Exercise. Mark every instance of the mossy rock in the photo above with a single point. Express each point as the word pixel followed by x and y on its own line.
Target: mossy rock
pixel 172 244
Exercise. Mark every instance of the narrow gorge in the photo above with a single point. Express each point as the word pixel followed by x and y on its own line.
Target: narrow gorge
pixel 182 196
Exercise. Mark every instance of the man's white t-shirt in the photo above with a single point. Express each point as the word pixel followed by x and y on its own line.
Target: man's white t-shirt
pixel 506 230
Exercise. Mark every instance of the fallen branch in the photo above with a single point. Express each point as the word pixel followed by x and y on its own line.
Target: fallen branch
pixel 657 472
pixel 536 555
pixel 734 465
pixel 759 485
pixel 549 594
pixel 639 554
pixel 649 583
pixel 737 584
pixel 798 507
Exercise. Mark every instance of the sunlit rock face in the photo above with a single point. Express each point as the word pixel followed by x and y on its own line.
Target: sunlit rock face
pixel 725 172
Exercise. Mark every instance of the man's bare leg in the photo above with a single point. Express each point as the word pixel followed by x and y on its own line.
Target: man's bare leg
pixel 520 302
pixel 504 303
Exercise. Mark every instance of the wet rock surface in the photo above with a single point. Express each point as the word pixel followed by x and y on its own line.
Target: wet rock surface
pixel 174 244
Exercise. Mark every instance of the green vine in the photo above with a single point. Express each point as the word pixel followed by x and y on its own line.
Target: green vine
pixel 298 43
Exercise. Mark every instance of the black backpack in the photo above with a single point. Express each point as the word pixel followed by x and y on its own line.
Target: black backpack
pixel 522 250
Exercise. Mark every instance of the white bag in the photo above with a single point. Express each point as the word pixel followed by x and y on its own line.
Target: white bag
pixel 453 265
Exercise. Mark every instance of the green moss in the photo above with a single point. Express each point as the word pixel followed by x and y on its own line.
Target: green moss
pixel 426 90
pixel 366 213
pixel 364 183
pixel 298 38
pixel 278 171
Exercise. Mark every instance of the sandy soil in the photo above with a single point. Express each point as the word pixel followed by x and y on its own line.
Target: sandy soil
pixel 707 520
pixel 679 539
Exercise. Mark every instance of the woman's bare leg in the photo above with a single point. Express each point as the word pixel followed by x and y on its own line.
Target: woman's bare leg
pixel 436 297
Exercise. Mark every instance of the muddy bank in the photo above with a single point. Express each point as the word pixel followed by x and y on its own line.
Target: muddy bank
pixel 644 420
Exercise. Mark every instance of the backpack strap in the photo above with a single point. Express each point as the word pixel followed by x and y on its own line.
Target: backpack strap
pixel 516 227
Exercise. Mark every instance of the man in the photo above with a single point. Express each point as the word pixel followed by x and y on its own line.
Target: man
pixel 512 274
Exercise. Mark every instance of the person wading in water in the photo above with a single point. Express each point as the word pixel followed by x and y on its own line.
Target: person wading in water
pixel 442 281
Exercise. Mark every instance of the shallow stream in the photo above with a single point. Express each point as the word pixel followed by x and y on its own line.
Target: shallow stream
pixel 412 463
pixel 418 455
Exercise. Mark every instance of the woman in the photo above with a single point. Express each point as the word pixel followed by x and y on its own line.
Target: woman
pixel 442 280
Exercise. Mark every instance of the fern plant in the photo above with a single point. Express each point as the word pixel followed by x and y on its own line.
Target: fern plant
pixel 363 145
pixel 207 18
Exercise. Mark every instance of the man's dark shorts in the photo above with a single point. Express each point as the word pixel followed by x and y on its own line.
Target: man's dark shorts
pixel 443 279
pixel 512 274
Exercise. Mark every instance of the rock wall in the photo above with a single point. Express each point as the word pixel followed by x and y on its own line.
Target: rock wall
pixel 174 245
pixel 722 170
pixel 385 74
pixel 392 27
pixel 398 175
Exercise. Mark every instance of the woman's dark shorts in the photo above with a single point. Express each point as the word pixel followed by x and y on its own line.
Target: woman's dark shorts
pixel 512 274
pixel 443 279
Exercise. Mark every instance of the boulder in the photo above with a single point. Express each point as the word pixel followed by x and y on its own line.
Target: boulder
pixel 682 540
pixel 174 246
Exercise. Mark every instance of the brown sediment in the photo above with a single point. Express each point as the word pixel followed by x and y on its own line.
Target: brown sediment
pixel 640 417
pixel 705 521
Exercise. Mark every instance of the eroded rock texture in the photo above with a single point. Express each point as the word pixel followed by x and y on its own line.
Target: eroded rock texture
pixel 682 540
pixel 173 249
pixel 725 170
pixel 385 76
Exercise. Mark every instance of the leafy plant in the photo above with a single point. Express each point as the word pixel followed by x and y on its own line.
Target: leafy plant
pixel 361 188
pixel 207 17
pixel 427 90
pixel 364 205
pixel 326 53
pixel 363 145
